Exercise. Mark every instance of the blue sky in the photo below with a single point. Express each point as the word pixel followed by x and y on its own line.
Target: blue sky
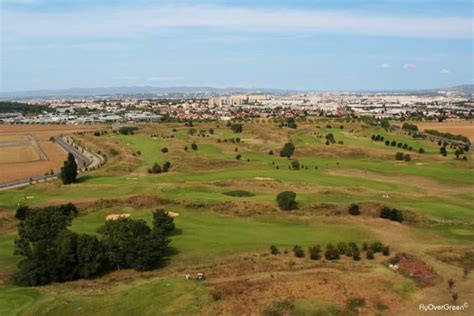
pixel 312 45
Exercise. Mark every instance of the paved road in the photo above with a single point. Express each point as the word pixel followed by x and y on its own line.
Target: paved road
pixel 81 160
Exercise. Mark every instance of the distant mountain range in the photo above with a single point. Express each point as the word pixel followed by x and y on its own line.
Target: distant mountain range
pixel 149 92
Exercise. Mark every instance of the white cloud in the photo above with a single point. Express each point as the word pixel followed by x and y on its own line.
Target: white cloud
pixel 445 71
pixel 385 66
pixel 409 66
pixel 120 21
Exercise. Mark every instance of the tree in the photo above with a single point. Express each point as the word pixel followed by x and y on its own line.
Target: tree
pixel 156 168
pixel 69 170
pixel 342 247
pixel 421 151
pixel 385 212
pixel 407 157
pixel 354 209
pixel 287 150
pixel 443 151
pixel 315 252
pixel 298 251
pixel 90 256
pixel 393 143
pixel 166 166
pixel 330 138
pixel 369 254
pixel 387 142
pixel 163 222
pixel 236 127
pixel 128 244
pixel 22 212
pixel 287 200
pixel 290 122
pixel 194 146
pixel 385 124
pixel 164 150
pixel 238 156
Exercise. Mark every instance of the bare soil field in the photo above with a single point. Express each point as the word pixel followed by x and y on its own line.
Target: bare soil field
pixel 18 154
pixel 25 150
pixel 464 127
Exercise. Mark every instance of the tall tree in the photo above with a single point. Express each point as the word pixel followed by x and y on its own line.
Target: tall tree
pixel 69 170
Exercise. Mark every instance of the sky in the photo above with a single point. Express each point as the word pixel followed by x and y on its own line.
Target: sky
pixel 291 44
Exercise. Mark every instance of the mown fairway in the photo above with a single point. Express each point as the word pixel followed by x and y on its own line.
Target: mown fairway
pixel 229 237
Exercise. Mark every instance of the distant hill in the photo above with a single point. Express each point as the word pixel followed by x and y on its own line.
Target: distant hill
pixel 467 89
pixel 142 91
pixel 196 91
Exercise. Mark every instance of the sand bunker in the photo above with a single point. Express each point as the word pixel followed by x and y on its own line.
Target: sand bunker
pixel 114 217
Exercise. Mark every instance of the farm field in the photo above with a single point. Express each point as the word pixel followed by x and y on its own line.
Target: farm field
pixel 228 238
pixel 463 127
pixel 26 151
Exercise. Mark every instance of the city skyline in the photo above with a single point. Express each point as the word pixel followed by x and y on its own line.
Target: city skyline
pixel 302 45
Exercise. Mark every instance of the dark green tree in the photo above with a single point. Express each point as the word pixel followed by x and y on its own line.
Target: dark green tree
pixel 163 223
pixel 287 150
pixel 287 200
pixel 69 170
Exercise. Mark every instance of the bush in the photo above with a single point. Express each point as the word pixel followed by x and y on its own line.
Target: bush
pixel 407 157
pixel 354 209
pixel 332 253
pixel 298 251
pixel 295 164
pixel 274 250
pixel 386 251
pixel 127 130
pixel 369 254
pixel 421 151
pixel 194 146
pixel 376 246
pixel 356 254
pixel 238 156
pixel 287 200
pixel 315 252
pixel 236 127
pixel 342 247
pixel 399 156
pixel 156 168
pixel 239 193
pixel 164 150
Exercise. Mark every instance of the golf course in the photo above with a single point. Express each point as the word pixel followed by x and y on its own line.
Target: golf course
pixel 221 183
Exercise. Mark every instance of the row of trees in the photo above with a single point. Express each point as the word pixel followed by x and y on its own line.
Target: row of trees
pixel 52 253
pixel 393 143
pixel 334 252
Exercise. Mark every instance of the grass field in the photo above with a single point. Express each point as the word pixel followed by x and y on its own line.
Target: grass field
pixel 228 237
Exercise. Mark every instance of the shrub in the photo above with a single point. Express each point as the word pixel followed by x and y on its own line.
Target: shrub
pixel 22 212
pixel 386 251
pixel 399 156
pixel 287 200
pixel 407 157
pixel 315 252
pixel 295 164
pixel 164 150
pixel 127 130
pixel 369 254
pixel 376 246
pixel 342 247
pixel 332 253
pixel 239 193
pixel 238 156
pixel 156 168
pixel 356 254
pixel 236 127
pixel 354 209
pixel 274 250
pixel 298 251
